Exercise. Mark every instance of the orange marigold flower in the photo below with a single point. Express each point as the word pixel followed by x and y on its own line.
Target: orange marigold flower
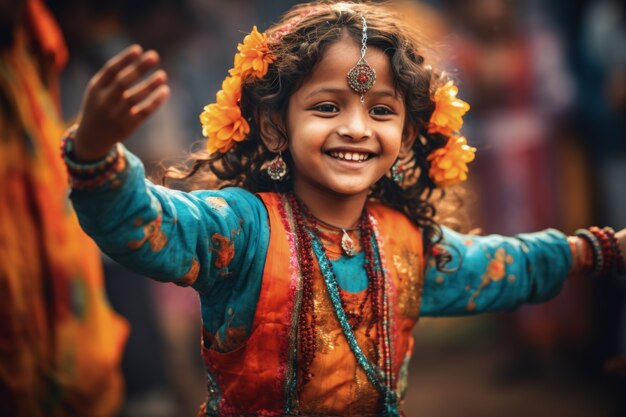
pixel 230 94
pixel 254 56
pixel 448 165
pixel 449 110
pixel 223 124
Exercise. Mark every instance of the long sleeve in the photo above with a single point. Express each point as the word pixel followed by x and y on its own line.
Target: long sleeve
pixel 494 273
pixel 214 241
pixel 187 238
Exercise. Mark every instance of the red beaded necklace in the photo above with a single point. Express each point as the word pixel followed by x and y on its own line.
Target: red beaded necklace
pixel 307 319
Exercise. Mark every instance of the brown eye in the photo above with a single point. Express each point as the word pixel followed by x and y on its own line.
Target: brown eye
pixel 381 111
pixel 326 108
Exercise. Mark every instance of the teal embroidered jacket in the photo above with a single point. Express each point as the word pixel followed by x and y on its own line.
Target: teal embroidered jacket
pixel 216 242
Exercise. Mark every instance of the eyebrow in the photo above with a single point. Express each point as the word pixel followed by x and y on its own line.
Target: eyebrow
pixel 335 90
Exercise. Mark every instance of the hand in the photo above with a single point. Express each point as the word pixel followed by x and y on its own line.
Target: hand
pixel 117 101
pixel 621 238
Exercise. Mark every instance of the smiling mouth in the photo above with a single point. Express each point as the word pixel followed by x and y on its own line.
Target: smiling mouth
pixel 350 156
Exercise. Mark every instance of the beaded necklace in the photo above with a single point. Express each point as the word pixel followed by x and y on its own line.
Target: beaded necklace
pixel 381 378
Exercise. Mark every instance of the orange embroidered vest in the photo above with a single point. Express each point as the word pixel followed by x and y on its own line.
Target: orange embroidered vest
pixel 260 377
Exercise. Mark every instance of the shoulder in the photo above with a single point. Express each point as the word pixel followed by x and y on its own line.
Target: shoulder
pixel 395 226
pixel 385 214
pixel 231 198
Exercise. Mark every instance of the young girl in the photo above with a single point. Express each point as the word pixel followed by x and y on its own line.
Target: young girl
pixel 315 259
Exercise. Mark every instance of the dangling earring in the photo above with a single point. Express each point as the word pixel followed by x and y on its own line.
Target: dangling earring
pixel 277 168
pixel 397 172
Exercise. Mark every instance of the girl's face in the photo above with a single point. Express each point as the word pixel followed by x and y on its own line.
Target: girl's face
pixel 339 145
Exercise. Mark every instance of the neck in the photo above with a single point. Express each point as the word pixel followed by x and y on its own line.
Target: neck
pixel 341 211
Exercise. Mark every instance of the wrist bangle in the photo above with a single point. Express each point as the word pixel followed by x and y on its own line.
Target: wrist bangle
pixel 67 152
pixel 605 244
pixel 598 261
pixel 83 176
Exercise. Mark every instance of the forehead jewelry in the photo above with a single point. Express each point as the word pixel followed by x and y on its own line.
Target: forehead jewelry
pixel 362 77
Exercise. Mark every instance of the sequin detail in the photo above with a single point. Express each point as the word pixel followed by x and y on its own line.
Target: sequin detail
pixel 379 378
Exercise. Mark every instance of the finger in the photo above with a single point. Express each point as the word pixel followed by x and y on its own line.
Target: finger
pixel 143 89
pixel 117 63
pixel 149 105
pixel 133 72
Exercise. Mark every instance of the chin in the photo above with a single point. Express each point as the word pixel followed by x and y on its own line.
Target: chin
pixel 349 191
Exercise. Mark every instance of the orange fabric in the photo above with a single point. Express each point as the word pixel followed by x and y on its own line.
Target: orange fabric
pixel 340 386
pixel 60 342
pixel 404 256
pixel 48 40
pixel 253 377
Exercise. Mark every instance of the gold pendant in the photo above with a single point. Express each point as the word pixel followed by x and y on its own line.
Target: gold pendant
pixel 347 244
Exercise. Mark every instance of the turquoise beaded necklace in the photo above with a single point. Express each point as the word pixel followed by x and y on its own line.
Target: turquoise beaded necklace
pixel 382 379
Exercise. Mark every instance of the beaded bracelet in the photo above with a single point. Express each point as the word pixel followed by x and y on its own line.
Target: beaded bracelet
pixel 620 265
pixel 598 259
pixel 85 176
pixel 605 244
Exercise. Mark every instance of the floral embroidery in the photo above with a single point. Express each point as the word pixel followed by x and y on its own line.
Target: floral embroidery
pixel 224 250
pixel 495 271
pixel 190 277
pixel 407 266
pixel 234 337
pixel 216 203
pixel 151 233
pixel 365 394
pixel 325 340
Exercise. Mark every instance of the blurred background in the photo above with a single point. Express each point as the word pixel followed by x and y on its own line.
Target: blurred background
pixel 547 87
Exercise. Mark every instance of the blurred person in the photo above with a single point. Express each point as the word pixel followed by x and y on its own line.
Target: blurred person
pixel 60 342
pixel 512 64
pixel 162 378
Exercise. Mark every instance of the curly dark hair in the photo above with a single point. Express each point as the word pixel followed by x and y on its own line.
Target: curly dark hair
pixel 298 42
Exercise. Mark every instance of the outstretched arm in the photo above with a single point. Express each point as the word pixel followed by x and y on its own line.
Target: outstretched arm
pixel 493 273
pixel 187 238
pixel 621 238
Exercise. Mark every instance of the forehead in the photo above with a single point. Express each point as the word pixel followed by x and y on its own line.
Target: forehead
pixel 339 57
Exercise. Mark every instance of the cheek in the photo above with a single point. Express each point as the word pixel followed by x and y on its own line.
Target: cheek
pixel 393 139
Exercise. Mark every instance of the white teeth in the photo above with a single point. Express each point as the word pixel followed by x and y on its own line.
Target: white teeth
pixel 350 156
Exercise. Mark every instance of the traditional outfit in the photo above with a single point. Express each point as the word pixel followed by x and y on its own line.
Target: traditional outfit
pixel 60 341
pixel 239 251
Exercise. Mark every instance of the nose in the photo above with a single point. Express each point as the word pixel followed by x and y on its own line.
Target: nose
pixel 356 124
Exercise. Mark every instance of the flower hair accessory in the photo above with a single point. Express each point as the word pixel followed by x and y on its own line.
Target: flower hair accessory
pixel 448 165
pixel 222 122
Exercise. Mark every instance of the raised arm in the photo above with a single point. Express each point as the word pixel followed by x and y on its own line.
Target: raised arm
pixel 191 239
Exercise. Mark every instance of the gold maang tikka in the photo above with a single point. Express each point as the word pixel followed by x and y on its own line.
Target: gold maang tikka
pixel 362 77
